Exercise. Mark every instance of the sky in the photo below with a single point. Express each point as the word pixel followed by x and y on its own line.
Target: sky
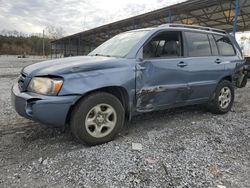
pixel 32 16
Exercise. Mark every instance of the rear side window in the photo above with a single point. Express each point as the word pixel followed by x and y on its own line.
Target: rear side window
pixel 224 45
pixel 213 45
pixel 198 44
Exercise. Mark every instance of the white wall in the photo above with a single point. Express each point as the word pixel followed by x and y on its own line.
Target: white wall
pixel 244 44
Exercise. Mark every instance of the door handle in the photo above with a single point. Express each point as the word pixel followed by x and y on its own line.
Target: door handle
pixel 218 61
pixel 182 64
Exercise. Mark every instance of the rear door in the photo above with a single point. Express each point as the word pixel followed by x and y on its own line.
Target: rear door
pixel 228 54
pixel 204 65
pixel 161 75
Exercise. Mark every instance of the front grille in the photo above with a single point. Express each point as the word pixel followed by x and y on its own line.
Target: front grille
pixel 21 82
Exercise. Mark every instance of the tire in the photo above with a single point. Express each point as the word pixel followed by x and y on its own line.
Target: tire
pixel 223 92
pixel 97 118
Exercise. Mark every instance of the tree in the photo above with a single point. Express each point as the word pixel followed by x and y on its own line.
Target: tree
pixel 53 32
pixel 14 42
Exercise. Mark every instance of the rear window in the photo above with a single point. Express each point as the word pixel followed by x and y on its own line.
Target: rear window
pixel 224 45
pixel 198 44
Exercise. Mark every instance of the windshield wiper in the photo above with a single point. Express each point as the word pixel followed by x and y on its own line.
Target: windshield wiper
pixel 101 55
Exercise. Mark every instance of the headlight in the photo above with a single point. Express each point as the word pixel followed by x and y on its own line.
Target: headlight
pixel 45 86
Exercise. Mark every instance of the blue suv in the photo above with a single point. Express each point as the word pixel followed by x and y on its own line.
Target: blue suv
pixel 134 72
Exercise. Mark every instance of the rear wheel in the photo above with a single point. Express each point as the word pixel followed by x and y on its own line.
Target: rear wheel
pixel 97 118
pixel 223 98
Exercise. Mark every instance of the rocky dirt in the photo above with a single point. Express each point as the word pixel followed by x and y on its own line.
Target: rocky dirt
pixel 184 147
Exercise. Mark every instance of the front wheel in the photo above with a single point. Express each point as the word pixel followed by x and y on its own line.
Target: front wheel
pixel 97 118
pixel 223 98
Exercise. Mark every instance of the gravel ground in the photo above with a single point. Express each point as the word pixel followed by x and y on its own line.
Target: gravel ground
pixel 184 147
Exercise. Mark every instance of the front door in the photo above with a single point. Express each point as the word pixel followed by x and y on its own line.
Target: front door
pixel 161 75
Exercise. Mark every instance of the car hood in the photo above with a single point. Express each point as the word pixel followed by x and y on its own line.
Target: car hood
pixel 72 64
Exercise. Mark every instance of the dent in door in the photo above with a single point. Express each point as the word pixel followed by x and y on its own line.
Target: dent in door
pixel 149 95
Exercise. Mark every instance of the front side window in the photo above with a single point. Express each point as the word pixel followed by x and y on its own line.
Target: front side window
pixel 163 45
pixel 198 44
pixel 119 45
pixel 225 46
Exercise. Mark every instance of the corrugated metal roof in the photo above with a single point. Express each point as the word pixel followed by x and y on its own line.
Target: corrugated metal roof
pixel 211 13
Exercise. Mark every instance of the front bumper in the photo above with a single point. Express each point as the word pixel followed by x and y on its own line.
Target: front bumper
pixel 49 110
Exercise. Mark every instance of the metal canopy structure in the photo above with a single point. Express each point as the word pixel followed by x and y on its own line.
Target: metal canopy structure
pixel 229 15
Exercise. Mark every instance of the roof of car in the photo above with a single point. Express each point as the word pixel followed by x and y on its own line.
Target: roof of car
pixel 180 27
pixel 193 28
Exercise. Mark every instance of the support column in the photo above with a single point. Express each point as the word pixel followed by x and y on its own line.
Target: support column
pixel 237 12
pixel 78 45
pixel 51 50
pixel 65 50
pixel 169 16
pixel 56 50
pixel 69 48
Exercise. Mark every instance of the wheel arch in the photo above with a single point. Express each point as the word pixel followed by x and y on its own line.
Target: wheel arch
pixel 118 91
pixel 228 78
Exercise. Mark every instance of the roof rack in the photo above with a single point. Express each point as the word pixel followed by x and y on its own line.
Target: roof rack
pixel 194 27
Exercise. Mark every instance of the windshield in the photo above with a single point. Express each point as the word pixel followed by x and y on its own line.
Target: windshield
pixel 119 45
